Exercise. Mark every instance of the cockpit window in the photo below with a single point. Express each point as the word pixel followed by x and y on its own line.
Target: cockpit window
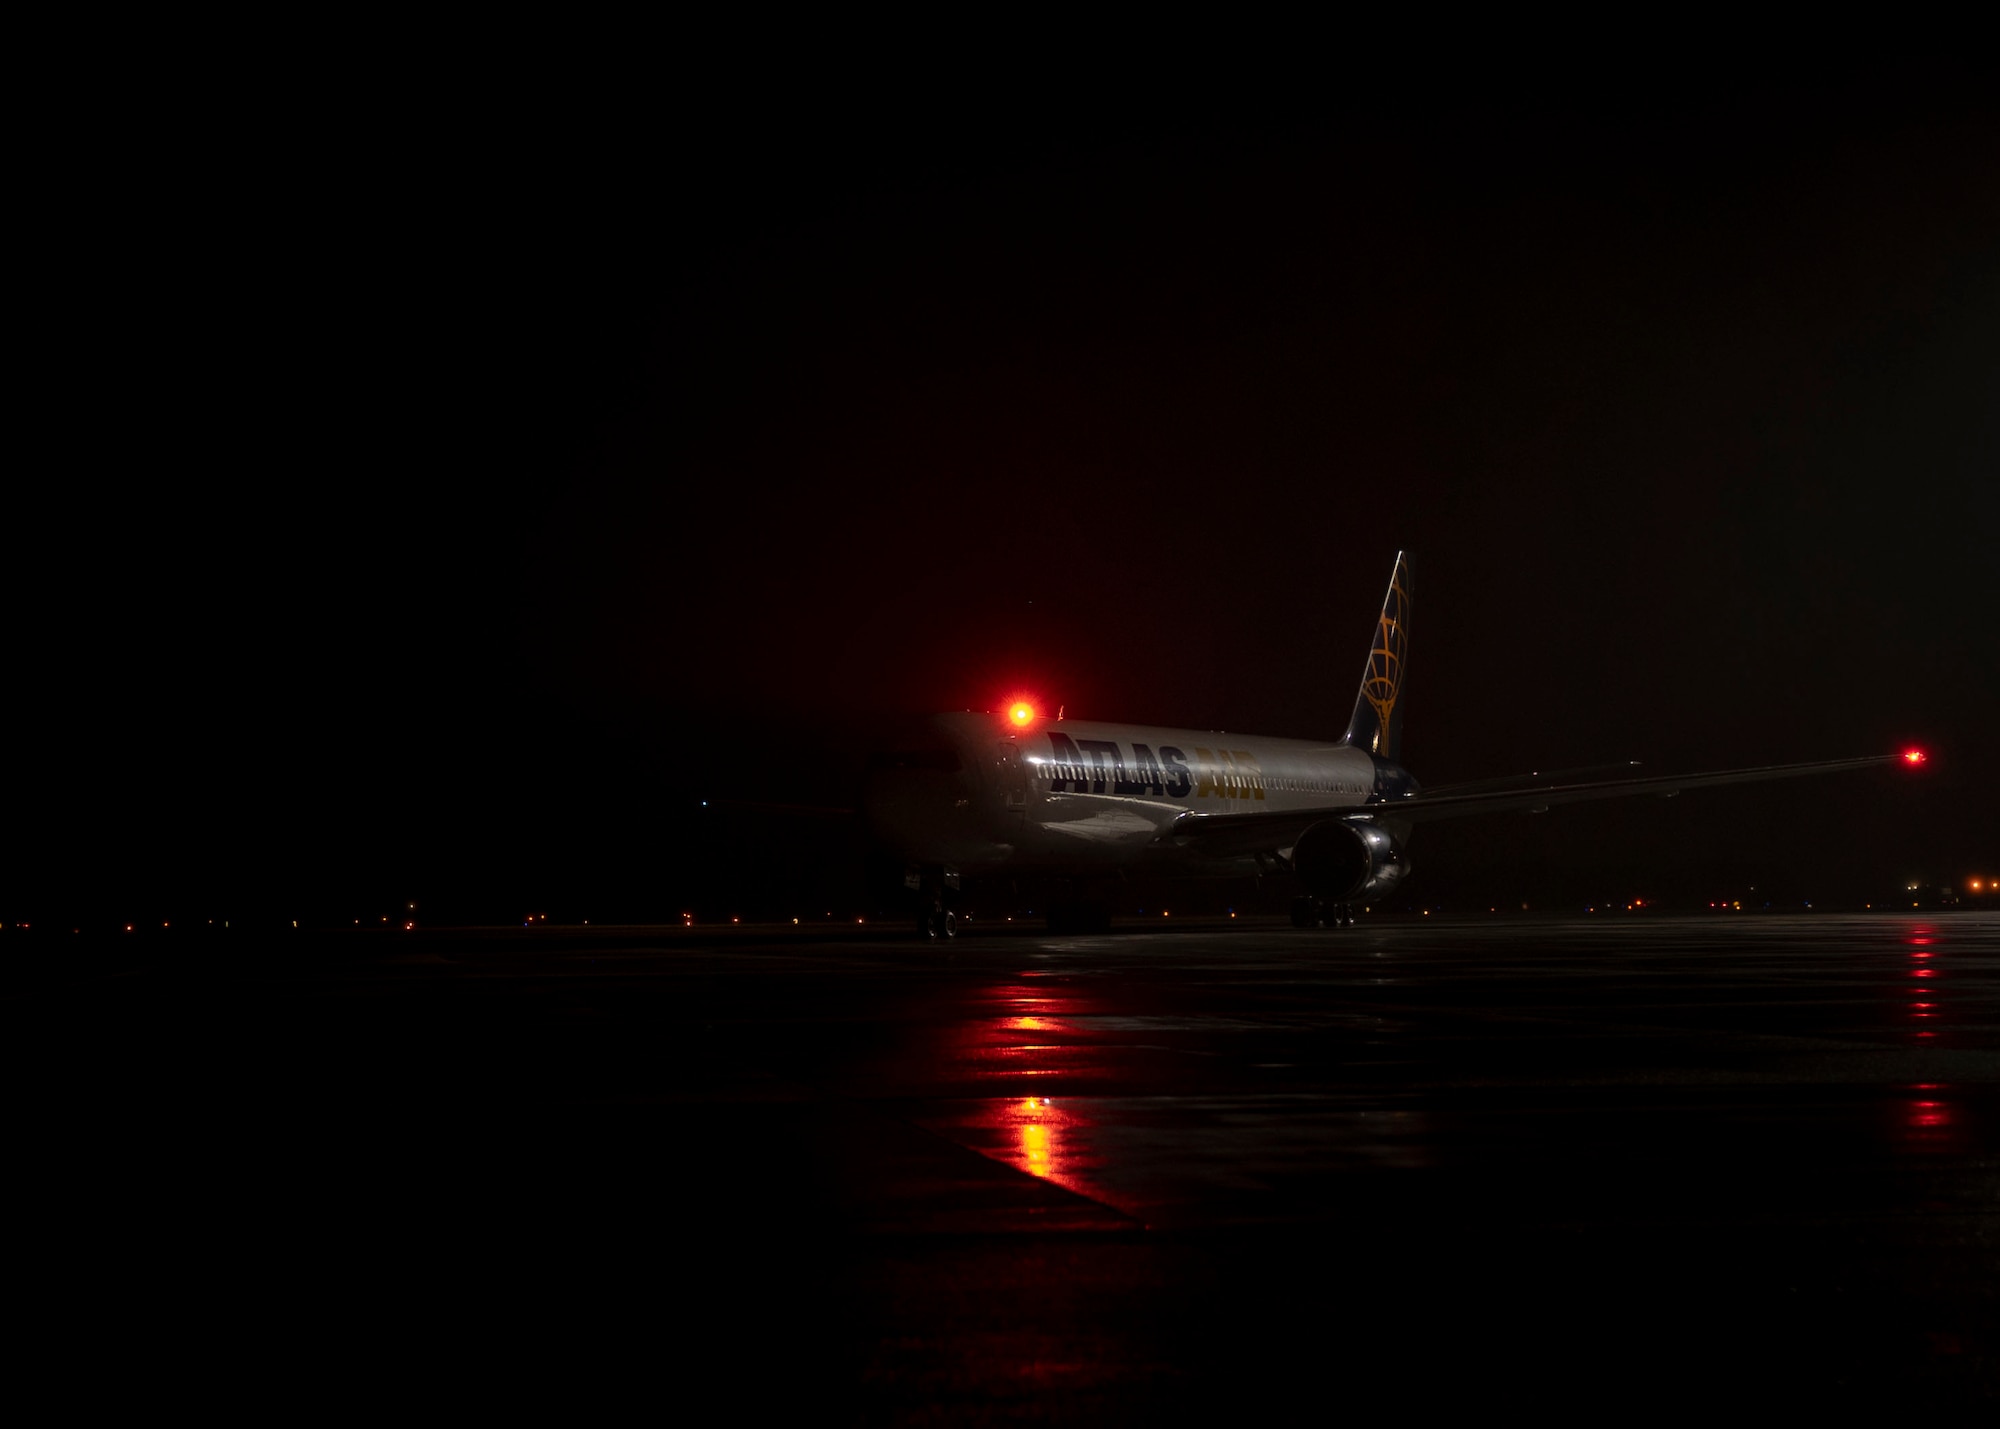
pixel 941 761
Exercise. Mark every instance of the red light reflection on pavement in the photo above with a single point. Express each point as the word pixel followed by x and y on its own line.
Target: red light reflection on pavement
pixel 1046 1137
pixel 1929 1120
pixel 1042 1136
pixel 1022 1031
pixel 1014 1057
pixel 1925 1005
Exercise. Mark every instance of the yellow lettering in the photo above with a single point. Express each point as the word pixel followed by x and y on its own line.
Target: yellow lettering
pixel 1253 776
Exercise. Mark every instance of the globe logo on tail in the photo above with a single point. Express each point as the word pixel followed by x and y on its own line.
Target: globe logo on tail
pixel 1384 680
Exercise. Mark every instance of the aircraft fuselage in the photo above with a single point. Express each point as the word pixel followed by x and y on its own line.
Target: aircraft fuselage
pixel 1066 795
pixel 1015 792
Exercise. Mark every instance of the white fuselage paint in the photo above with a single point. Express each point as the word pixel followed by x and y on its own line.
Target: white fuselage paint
pixel 1050 797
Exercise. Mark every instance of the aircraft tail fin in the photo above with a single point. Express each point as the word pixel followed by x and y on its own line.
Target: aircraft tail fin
pixel 1377 723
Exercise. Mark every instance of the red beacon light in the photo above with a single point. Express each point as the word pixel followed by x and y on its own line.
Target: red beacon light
pixel 1913 757
pixel 1020 714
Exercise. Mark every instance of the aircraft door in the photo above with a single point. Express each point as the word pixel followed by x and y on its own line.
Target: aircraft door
pixel 1012 776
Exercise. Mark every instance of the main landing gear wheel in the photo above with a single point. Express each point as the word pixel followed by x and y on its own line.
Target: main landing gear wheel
pixel 1318 913
pixel 940 925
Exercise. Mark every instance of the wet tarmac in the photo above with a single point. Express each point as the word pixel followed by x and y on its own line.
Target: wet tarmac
pixel 1582 1165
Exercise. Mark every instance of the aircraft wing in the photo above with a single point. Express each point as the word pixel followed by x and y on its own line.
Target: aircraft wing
pixel 1223 835
pixel 1540 779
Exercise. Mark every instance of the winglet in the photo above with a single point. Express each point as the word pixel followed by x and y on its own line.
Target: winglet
pixel 1377 724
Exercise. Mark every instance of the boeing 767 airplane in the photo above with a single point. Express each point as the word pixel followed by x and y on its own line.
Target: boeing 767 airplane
pixel 1022 794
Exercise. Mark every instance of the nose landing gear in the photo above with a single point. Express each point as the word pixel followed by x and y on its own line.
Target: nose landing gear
pixel 1319 913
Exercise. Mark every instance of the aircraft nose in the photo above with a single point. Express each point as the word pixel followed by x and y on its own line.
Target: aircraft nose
pixel 910 795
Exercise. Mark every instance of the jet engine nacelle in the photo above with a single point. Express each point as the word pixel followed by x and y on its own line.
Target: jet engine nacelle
pixel 1342 862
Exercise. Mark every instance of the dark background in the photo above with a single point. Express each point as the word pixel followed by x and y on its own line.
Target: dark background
pixel 433 482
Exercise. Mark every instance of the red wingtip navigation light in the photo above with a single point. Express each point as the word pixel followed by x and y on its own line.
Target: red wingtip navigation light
pixel 1913 757
pixel 1020 713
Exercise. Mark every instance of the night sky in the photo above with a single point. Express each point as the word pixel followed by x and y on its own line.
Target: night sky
pixel 440 496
